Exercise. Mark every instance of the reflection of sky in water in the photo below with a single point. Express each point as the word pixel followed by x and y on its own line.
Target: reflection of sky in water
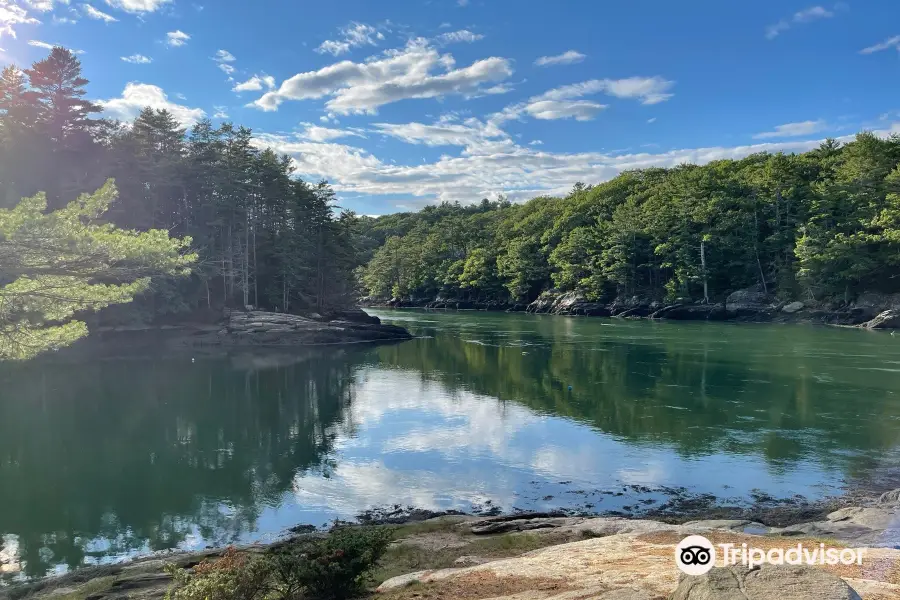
pixel 432 448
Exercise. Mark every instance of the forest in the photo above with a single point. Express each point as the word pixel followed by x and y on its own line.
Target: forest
pixel 260 236
pixel 822 226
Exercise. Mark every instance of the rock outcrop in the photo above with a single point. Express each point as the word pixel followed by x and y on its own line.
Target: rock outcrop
pixel 624 559
pixel 889 319
pixel 570 303
pixel 749 302
pixel 691 312
pixel 765 583
pixel 238 330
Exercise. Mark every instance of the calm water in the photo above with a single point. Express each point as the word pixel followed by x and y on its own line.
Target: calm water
pixel 103 460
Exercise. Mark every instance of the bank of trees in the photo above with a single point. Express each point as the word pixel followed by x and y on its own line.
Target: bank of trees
pixel 263 237
pixel 824 224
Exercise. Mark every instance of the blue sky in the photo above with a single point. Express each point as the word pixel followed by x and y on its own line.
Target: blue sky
pixel 406 102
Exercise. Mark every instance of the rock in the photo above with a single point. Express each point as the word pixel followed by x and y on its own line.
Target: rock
pixel 891 497
pixel 469 561
pixel 785 582
pixel 748 302
pixel 889 319
pixel 691 312
pixel 792 307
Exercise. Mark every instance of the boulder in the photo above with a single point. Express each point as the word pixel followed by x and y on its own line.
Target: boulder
pixel 889 319
pixel 785 582
pixel 748 302
pixel 792 307
pixel 891 497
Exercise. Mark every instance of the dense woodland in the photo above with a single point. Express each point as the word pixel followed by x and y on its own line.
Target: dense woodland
pixel 263 237
pixel 824 225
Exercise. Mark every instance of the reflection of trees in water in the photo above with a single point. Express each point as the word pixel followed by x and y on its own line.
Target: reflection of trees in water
pixel 688 390
pixel 141 453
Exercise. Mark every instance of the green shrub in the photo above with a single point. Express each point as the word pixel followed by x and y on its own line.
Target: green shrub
pixel 330 568
pixel 232 577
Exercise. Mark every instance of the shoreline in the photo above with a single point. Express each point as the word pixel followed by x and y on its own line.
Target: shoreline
pixel 237 331
pixel 870 311
pixel 454 543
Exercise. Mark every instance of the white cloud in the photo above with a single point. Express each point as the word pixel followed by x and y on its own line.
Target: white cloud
pixel 137 96
pixel 49 46
pixel 813 13
pixel 255 83
pixel 315 133
pixel 653 120
pixel 462 2
pixel 138 6
pixel 353 35
pixel 99 15
pixel 137 59
pixel 398 75
pixel 220 112
pixel 536 143
pixel 471 133
pixel 565 102
pixel 177 38
pixel 463 35
pixel 224 56
pixel 580 110
pixel 566 58
pixel 794 130
pixel 11 16
pixel 487 165
pixel 445 25
pixel 893 42
pixel 44 5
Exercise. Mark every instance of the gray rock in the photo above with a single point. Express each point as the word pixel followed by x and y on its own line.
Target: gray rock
pixel 889 319
pixel 765 583
pixel 892 497
pixel 748 301
pixel 793 307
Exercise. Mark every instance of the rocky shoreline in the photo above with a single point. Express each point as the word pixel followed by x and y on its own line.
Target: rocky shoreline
pixel 751 305
pixel 553 555
pixel 237 330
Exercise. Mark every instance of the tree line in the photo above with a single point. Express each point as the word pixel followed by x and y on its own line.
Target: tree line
pixel 262 236
pixel 822 225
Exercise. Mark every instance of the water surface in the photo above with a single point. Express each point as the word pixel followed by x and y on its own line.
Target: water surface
pixel 102 460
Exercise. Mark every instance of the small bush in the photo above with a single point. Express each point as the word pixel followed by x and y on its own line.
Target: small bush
pixel 331 568
pixel 232 577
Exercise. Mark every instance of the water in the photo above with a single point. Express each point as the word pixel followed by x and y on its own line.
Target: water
pixel 107 459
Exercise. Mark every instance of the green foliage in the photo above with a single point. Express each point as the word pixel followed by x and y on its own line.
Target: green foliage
pixel 234 576
pixel 263 237
pixel 825 223
pixel 63 262
pixel 331 568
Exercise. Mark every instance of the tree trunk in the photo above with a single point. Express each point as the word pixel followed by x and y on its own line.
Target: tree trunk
pixel 703 266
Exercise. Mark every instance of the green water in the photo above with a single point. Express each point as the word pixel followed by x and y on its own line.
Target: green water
pixel 107 459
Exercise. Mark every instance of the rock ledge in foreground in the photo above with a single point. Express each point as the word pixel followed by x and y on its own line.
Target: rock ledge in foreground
pixel 765 583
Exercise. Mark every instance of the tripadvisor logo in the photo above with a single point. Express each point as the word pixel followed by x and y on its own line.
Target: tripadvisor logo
pixel 695 555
